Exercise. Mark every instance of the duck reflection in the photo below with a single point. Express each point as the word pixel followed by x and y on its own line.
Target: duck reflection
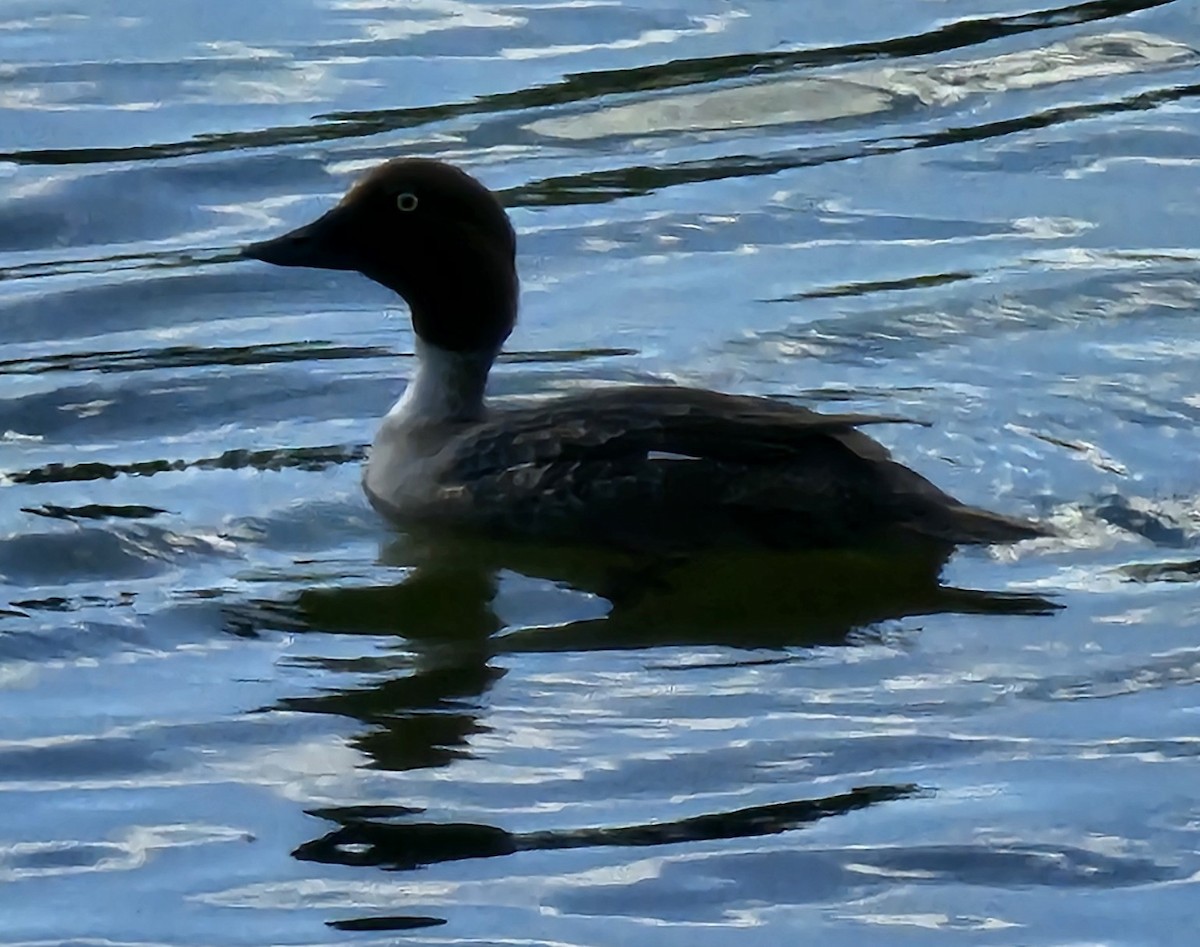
pixel 443 600
pixel 445 605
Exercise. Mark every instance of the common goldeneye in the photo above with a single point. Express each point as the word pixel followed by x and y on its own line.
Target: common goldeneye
pixel 646 467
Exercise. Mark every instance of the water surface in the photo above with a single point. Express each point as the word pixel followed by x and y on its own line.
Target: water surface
pixel 235 708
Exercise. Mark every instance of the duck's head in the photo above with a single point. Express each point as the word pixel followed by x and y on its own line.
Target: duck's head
pixel 432 233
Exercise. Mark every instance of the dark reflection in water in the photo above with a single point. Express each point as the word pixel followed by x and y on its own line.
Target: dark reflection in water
pixel 742 599
pixel 442 609
pixel 426 717
pixel 411 845
pixel 1188 571
pixel 303 458
pixel 391 923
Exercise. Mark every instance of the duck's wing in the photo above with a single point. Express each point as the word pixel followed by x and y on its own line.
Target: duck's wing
pixel 687 422
pixel 685 466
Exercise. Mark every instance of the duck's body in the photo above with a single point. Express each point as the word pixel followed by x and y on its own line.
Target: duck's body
pixel 662 468
pixel 635 466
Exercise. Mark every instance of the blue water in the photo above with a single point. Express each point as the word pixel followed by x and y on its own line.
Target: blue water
pixel 236 708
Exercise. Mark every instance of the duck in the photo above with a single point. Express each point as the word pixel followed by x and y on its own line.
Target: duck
pixel 648 467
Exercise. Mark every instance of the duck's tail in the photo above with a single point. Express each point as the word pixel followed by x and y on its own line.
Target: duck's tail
pixel 936 515
pixel 961 524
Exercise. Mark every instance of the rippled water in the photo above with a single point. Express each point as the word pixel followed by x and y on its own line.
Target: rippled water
pixel 236 709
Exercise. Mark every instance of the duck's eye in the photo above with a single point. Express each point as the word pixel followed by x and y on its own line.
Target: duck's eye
pixel 407 201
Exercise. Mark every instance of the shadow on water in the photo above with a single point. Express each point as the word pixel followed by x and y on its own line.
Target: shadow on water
pixel 424 703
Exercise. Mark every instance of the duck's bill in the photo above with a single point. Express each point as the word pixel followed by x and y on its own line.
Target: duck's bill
pixel 323 244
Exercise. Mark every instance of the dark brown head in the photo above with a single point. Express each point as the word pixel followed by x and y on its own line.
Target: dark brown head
pixel 430 232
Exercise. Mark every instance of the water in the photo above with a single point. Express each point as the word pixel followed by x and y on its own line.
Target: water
pixel 236 709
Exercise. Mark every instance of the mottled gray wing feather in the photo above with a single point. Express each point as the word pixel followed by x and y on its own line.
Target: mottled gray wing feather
pixel 630 464
pixel 627 422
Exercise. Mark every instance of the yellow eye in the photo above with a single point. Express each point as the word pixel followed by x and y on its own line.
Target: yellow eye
pixel 407 201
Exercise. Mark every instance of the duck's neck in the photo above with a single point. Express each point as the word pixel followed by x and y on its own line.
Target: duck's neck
pixel 446 387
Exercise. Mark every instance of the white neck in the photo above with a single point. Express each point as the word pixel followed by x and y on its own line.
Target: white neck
pixel 447 386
